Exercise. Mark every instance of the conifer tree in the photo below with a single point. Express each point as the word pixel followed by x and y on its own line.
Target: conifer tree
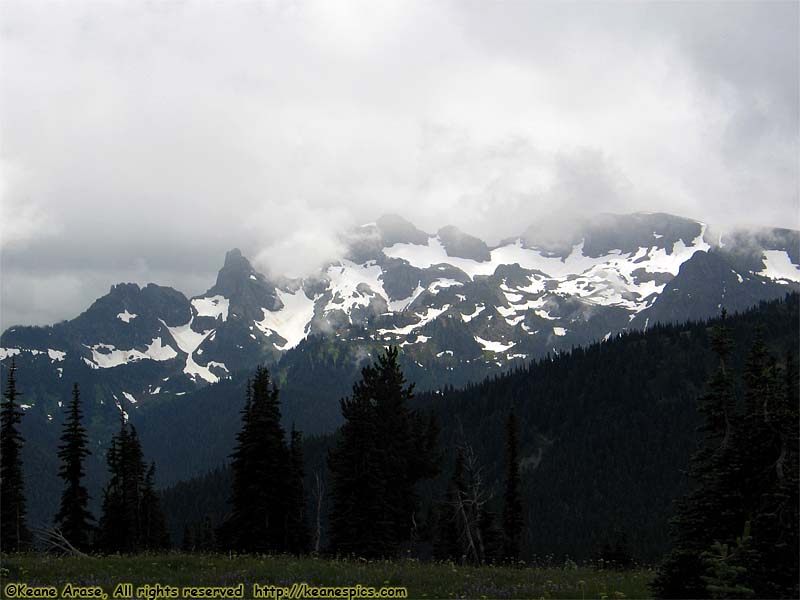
pixel 133 472
pixel 356 519
pixel 512 508
pixel 232 531
pixel 74 517
pixel 492 535
pixel 131 517
pixel 261 469
pixel 767 472
pixel 449 538
pixel 111 528
pixel 14 534
pixel 298 535
pixel 187 542
pixel 205 540
pixel 383 451
pixel 778 522
pixel 153 533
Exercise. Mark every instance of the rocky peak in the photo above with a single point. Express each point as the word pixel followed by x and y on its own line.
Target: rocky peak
pixel 397 230
pixel 234 274
pixel 463 245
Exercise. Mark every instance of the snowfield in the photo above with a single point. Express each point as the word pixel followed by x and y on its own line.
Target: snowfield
pixel 290 322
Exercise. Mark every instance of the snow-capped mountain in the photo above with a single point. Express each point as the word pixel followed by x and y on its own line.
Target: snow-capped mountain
pixel 447 298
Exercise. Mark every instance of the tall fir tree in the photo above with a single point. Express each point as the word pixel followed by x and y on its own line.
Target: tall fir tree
pixel 187 541
pixel 767 474
pixel 14 534
pixel 131 518
pixel 205 539
pixel 73 517
pixel 153 530
pixel 777 526
pixel 232 533
pixel 383 451
pixel 133 472
pixel 261 468
pixel 513 522
pixel 298 534
pixel 356 518
pixel 111 529
pixel 448 542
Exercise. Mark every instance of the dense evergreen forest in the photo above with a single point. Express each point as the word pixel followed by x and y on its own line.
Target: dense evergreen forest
pixel 605 437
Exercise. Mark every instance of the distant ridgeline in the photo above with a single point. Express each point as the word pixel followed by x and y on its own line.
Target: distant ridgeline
pixel 606 432
pixel 459 309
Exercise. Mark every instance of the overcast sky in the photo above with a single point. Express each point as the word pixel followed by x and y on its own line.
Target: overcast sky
pixel 141 140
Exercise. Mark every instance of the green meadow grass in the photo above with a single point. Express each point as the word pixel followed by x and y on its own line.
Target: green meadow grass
pixel 423 580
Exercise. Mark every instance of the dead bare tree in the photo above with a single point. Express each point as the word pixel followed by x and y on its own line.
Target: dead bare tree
pixel 53 539
pixel 319 494
pixel 469 504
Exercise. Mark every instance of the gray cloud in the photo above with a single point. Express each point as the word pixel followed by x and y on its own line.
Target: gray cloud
pixel 140 141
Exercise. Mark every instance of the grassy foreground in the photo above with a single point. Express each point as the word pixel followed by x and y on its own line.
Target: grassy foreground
pixel 423 580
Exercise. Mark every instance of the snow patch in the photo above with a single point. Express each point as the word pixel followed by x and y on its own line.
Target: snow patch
pixel 6 352
pixel 404 303
pixel 442 284
pixel 106 356
pixel 121 410
pixel 346 278
pixel 126 316
pixel 494 346
pixel 478 310
pixel 290 322
pixel 188 341
pixel 779 267
pixel 156 351
pixel 213 306
pixel 219 365
pixel 56 355
pixel 430 315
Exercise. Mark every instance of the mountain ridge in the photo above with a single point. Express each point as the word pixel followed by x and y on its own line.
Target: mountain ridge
pixel 446 297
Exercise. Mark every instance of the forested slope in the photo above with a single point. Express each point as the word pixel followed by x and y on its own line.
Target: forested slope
pixel 605 433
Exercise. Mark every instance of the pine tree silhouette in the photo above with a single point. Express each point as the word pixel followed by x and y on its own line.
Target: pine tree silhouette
pixel 153 532
pixel 448 541
pixel 73 517
pixel 383 451
pixel 261 469
pixel 14 534
pixel 131 518
pixel 297 531
pixel 512 507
